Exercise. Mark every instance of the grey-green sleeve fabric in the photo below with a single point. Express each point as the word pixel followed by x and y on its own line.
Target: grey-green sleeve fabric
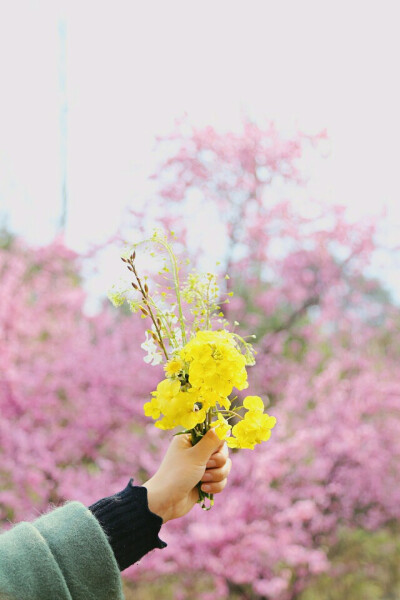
pixel 63 555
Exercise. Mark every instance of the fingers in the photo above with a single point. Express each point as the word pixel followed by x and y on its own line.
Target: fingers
pixel 214 488
pixel 218 474
pixel 216 479
pixel 219 458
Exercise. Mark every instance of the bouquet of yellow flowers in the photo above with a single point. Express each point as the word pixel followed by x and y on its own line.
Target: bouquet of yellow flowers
pixel 203 360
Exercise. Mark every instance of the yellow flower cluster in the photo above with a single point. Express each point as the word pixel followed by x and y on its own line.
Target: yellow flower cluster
pixel 214 366
pixel 215 363
pixel 201 376
pixel 254 428
pixel 177 406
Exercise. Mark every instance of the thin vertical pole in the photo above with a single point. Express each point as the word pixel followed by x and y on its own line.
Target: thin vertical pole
pixel 62 29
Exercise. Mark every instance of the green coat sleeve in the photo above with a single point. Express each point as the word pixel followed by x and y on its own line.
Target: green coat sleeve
pixel 63 555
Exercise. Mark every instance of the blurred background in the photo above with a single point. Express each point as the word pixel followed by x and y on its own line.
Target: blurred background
pixel 266 135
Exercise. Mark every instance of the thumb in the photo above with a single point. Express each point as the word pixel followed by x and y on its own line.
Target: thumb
pixel 207 446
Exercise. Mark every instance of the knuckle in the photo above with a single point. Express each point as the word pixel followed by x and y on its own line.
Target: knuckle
pixel 219 475
pixel 219 486
pixel 218 459
pixel 224 457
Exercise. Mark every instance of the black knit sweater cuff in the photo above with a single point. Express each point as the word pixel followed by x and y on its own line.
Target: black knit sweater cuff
pixel 130 526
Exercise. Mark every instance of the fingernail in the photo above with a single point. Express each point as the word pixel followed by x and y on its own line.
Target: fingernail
pixel 211 463
pixel 206 488
pixel 207 477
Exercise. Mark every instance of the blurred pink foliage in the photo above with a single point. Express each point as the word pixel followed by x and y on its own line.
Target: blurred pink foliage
pixel 67 402
pixel 72 387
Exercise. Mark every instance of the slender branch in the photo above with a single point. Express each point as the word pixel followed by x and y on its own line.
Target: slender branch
pixel 144 292
pixel 177 288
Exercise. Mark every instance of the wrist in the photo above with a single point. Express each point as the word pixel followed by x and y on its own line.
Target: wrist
pixel 157 501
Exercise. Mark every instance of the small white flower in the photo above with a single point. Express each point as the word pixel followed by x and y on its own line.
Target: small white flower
pixel 154 355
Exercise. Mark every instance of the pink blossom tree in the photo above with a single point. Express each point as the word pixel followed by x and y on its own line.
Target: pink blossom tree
pixel 71 387
pixel 327 356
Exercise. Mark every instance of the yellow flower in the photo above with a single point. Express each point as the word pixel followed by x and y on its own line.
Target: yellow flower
pixel 165 423
pixel 183 411
pixel 222 427
pixel 253 403
pixel 253 429
pixel 207 398
pixel 166 390
pixel 191 419
pixel 152 409
pixel 173 367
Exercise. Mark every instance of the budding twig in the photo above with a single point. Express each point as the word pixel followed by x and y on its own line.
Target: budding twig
pixel 147 312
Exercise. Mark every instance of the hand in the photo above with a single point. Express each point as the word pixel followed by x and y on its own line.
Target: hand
pixel 172 491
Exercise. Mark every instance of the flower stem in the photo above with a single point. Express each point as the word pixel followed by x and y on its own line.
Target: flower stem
pixel 231 412
pixel 176 282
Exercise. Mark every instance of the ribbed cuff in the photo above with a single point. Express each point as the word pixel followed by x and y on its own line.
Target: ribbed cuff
pixel 130 526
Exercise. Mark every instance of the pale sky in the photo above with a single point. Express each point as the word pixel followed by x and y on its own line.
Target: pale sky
pixel 133 67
